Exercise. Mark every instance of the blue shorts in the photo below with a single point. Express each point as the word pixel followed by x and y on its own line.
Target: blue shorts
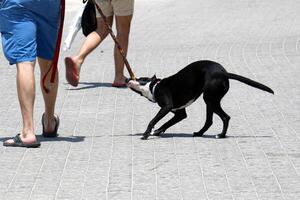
pixel 29 29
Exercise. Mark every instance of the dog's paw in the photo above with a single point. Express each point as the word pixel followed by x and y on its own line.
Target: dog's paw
pixel 197 134
pixel 158 132
pixel 144 137
pixel 219 136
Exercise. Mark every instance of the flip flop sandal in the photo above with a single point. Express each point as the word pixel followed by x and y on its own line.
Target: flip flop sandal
pixel 119 85
pixel 19 143
pixel 72 75
pixel 54 132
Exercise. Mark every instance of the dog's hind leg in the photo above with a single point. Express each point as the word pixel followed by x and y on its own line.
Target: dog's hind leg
pixel 213 94
pixel 224 117
pixel 179 115
pixel 208 122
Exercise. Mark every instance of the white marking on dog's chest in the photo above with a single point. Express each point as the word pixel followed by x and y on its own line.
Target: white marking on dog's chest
pixel 146 92
pixel 184 106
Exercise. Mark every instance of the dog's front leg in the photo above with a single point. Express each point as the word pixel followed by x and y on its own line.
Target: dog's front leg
pixel 179 115
pixel 162 112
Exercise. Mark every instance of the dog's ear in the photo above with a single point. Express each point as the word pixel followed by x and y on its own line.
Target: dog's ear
pixel 153 77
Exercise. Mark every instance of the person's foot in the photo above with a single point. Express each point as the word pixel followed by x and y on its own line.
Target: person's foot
pixel 73 66
pixel 120 82
pixel 19 140
pixel 50 125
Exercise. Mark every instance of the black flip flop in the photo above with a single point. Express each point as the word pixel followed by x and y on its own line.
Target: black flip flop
pixel 54 132
pixel 19 143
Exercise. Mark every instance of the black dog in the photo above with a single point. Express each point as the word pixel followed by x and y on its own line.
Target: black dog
pixel 176 92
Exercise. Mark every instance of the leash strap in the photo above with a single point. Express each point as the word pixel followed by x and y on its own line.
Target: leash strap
pixel 115 40
pixel 53 66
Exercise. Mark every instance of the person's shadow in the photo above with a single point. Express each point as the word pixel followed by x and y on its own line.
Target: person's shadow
pixel 90 85
pixel 73 139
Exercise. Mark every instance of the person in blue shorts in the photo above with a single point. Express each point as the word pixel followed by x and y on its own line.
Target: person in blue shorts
pixel 29 32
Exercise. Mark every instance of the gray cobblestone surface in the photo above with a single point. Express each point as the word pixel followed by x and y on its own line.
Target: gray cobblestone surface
pixel 99 155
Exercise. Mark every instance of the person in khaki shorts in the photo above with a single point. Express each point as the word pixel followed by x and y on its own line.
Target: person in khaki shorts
pixel 123 12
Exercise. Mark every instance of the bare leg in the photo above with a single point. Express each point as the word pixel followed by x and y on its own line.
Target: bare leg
pixel 123 29
pixel 92 41
pixel 26 95
pixel 49 98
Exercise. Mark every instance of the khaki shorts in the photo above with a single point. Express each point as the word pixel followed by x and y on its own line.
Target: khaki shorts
pixel 115 7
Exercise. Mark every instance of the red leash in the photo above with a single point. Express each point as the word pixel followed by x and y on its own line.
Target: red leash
pixel 53 66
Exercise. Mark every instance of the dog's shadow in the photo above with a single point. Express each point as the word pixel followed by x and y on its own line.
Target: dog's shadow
pixel 207 136
pixel 167 135
pixel 90 85
pixel 179 135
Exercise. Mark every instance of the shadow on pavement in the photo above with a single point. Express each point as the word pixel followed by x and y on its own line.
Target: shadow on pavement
pixel 166 135
pixel 182 135
pixel 74 139
pixel 56 139
pixel 90 85
pixel 250 136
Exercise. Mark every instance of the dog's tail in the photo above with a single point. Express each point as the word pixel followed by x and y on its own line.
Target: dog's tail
pixel 249 82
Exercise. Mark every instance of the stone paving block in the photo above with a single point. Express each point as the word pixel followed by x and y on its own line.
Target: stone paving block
pixel 99 154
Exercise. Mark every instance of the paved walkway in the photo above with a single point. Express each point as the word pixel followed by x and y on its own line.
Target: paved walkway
pixel 99 154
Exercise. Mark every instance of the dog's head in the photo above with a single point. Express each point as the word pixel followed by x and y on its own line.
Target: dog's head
pixel 143 86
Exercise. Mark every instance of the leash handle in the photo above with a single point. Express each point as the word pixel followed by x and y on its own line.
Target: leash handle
pixel 132 76
pixel 53 66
